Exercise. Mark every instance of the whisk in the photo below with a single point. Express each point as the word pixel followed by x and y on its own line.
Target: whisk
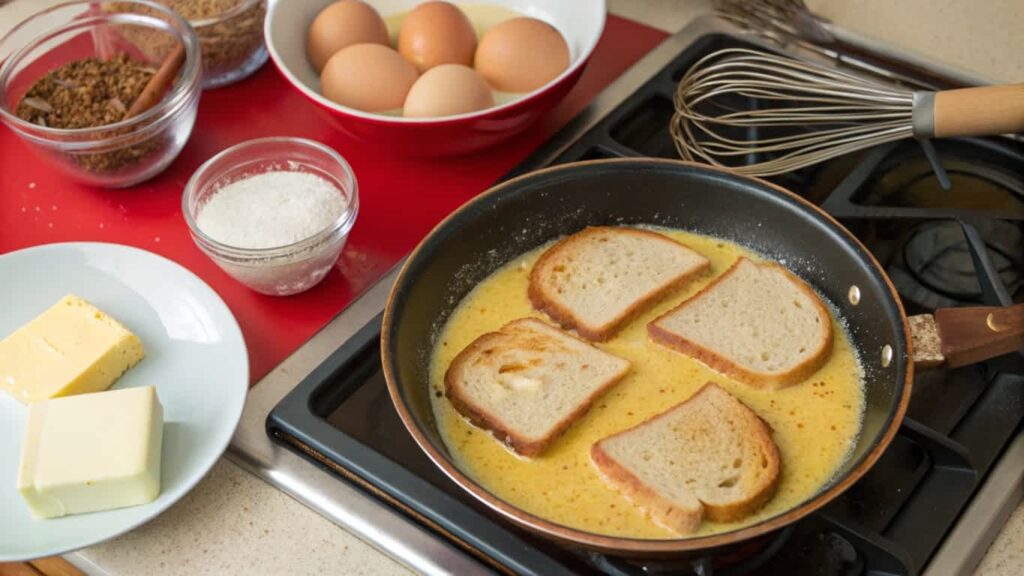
pixel 762 114
pixel 777 19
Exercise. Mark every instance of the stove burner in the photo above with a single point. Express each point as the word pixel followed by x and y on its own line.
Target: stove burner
pixel 897 518
pixel 935 267
pixel 906 180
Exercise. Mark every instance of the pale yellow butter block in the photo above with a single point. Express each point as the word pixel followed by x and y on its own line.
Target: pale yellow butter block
pixel 72 348
pixel 92 452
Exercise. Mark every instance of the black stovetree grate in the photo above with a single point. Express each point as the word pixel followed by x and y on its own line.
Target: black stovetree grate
pixel 893 520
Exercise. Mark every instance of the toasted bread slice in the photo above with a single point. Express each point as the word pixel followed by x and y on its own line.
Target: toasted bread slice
pixel 598 279
pixel 758 323
pixel 707 457
pixel 528 382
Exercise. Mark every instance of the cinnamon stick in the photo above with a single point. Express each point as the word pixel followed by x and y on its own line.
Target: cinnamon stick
pixel 158 84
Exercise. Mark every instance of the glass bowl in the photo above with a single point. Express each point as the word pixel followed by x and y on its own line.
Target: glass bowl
pixel 119 154
pixel 232 43
pixel 282 270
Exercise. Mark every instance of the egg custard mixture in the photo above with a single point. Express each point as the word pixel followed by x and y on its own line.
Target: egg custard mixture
pixel 815 422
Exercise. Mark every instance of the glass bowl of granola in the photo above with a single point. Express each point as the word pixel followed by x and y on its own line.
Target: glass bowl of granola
pixel 70 74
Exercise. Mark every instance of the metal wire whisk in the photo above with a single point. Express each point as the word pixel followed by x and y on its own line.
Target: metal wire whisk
pixel 777 19
pixel 762 114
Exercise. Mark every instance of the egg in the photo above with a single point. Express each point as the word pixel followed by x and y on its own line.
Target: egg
pixel 447 90
pixel 521 55
pixel 436 33
pixel 368 77
pixel 340 25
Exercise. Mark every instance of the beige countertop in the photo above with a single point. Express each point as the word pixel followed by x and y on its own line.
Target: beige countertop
pixel 234 523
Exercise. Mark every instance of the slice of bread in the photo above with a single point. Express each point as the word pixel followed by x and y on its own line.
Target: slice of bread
pixel 528 382
pixel 598 279
pixel 708 457
pixel 757 323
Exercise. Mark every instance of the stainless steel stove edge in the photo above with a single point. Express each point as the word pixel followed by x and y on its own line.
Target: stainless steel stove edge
pixel 382 527
pixel 985 516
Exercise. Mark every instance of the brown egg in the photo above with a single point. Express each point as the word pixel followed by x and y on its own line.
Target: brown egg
pixel 340 25
pixel 447 90
pixel 436 33
pixel 521 55
pixel 368 77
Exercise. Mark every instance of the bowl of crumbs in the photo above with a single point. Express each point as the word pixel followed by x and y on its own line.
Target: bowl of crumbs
pixel 79 86
pixel 433 78
pixel 273 213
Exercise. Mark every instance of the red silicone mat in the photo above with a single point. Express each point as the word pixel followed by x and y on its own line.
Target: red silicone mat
pixel 401 199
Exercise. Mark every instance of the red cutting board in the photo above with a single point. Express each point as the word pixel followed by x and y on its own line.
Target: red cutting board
pixel 401 199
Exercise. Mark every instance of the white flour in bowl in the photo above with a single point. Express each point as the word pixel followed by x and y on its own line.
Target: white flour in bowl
pixel 270 210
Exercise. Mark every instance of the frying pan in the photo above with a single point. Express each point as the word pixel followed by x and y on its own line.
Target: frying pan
pixel 523 213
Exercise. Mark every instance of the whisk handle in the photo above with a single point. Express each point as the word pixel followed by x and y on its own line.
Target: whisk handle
pixel 980 111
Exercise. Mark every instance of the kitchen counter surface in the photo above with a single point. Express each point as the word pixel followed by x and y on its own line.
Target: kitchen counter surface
pixel 234 523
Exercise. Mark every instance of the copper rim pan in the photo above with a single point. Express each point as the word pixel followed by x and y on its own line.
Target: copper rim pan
pixel 522 213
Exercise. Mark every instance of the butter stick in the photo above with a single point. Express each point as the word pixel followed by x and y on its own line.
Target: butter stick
pixel 92 452
pixel 72 348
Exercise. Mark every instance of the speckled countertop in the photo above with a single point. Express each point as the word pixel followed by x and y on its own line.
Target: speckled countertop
pixel 234 523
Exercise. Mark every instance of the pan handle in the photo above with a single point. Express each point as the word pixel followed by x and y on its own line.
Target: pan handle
pixel 962 336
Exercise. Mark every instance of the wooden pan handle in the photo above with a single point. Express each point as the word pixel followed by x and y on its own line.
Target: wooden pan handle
pixel 981 111
pixel 974 334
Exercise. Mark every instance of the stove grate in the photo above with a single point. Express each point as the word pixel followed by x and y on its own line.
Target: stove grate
pixel 893 520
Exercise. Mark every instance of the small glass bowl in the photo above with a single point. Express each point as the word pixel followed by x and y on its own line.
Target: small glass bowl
pixel 119 154
pixel 232 43
pixel 282 270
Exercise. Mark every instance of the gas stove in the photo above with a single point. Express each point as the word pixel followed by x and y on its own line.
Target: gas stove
pixel 322 427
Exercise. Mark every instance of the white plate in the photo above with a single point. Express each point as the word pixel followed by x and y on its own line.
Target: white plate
pixel 195 356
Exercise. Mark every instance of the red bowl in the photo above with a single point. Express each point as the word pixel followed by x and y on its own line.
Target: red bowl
pixel 580 22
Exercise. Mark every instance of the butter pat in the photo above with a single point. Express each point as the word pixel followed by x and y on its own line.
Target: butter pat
pixel 92 452
pixel 72 348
